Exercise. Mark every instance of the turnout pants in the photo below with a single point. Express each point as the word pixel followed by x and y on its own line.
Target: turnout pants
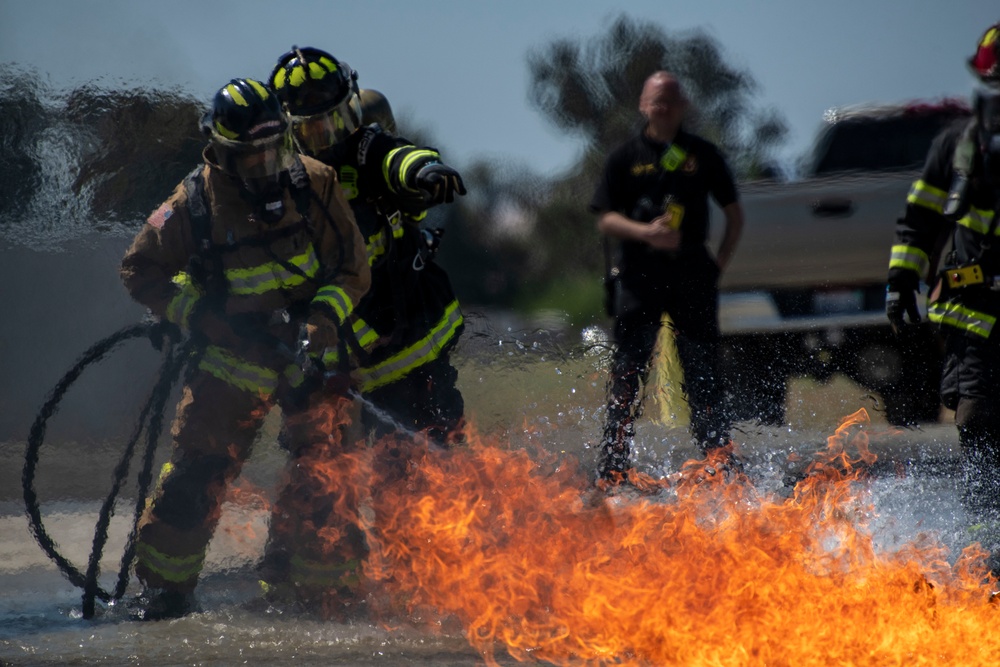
pixel 970 385
pixel 218 418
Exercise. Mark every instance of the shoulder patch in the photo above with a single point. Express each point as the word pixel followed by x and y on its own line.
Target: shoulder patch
pixel 160 215
pixel 690 165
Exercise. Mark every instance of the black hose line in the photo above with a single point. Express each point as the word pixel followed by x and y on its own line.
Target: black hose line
pixel 152 412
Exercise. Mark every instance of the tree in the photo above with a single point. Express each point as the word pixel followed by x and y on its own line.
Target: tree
pixel 590 88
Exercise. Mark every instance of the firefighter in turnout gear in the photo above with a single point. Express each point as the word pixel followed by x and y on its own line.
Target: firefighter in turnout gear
pixel 257 254
pixel 954 205
pixel 408 322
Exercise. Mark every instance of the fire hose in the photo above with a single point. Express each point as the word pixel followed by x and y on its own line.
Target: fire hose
pixel 176 355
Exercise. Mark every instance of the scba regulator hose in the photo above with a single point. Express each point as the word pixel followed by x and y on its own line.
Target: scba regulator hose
pixel 176 356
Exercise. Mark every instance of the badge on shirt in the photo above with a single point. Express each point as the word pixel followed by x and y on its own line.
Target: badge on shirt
pixel 160 215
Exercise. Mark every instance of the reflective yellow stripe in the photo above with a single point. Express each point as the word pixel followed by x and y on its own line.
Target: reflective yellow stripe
pixel 926 195
pixel 425 350
pixel 396 224
pixel 272 275
pixel 336 298
pixel 909 257
pixel 182 305
pixel 412 155
pixel 238 372
pixel 960 317
pixel 363 332
pixel 978 220
pixel 178 569
pixel 376 246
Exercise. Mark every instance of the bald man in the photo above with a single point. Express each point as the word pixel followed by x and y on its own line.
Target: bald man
pixel 653 199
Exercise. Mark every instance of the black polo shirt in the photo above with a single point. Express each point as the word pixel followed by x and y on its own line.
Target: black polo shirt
pixel 635 183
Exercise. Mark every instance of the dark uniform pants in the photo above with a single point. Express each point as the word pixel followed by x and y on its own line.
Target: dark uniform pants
pixel 692 303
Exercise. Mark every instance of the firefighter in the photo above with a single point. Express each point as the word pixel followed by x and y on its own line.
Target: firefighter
pixel 653 197
pixel 409 321
pixel 256 253
pixel 953 205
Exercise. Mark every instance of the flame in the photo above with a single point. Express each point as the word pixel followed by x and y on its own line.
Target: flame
pixel 703 569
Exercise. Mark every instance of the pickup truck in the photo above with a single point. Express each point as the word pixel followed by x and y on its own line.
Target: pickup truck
pixel 805 293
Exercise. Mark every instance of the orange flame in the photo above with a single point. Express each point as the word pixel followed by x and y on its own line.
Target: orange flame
pixel 531 560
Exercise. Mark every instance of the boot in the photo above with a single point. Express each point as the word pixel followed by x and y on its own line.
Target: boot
pixel 158 604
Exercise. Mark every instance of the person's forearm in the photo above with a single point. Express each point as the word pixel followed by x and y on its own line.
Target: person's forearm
pixel 731 237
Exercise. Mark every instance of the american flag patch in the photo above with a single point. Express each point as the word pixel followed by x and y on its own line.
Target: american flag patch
pixel 160 216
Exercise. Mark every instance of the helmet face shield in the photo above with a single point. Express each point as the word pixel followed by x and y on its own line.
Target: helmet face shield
pixel 259 163
pixel 318 132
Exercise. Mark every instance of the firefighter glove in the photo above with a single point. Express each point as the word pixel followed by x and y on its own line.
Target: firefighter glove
pixel 440 182
pixel 901 303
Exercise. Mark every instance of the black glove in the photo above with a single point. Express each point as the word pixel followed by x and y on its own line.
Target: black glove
pixel 900 302
pixel 440 182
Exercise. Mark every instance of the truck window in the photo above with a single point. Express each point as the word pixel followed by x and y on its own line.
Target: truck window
pixel 878 144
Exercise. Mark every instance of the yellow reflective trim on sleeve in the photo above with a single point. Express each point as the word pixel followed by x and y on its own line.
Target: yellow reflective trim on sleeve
pixel 926 195
pixel 978 220
pixel 414 156
pixel 336 298
pixel 183 304
pixel 909 257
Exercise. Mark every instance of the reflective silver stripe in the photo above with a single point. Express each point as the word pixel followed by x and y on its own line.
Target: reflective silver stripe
pixel 336 298
pixel 178 569
pixel 909 257
pixel 182 305
pixel 926 195
pixel 978 220
pixel 419 353
pixel 363 332
pixel 376 247
pixel 960 317
pixel 238 372
pixel 272 275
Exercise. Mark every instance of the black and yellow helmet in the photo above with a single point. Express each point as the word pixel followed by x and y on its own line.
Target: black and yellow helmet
pixel 320 95
pixel 244 110
pixel 248 133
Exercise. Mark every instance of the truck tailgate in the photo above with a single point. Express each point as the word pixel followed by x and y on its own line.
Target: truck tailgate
pixel 821 232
